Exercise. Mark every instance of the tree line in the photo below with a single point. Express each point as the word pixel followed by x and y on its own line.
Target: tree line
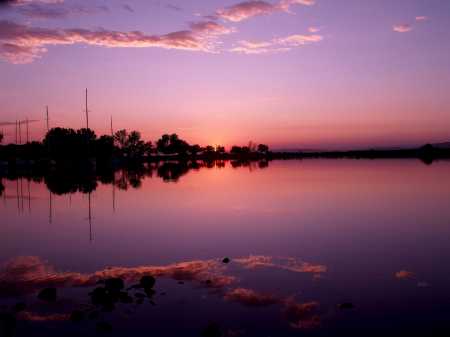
pixel 67 143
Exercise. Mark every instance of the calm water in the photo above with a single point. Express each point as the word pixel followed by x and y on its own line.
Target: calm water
pixel 303 237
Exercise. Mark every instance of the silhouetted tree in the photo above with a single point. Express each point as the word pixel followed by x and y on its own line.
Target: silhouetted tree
pixel 220 149
pixel 130 144
pixel 148 149
pixel 120 138
pixel 245 150
pixel 263 148
pixel 209 150
pixel 1 137
pixel 172 144
pixel 104 147
pixel 195 149
pixel 70 144
pixel 236 150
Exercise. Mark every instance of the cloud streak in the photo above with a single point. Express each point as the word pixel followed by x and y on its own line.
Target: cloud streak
pixel 276 45
pixel 58 10
pixel 21 44
pixel 248 9
pixel 28 274
pixel 402 28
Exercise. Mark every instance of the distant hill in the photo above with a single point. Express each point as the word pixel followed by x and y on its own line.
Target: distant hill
pixel 445 145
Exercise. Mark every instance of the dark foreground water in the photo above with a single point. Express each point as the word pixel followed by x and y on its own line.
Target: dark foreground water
pixel 316 248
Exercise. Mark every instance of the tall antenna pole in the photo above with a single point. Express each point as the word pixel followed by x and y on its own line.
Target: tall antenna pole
pixel 112 131
pixel 48 124
pixel 20 132
pixel 28 136
pixel 90 217
pixel 16 132
pixel 50 208
pixel 87 111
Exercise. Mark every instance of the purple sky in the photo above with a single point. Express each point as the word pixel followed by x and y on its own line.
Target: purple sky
pixel 291 73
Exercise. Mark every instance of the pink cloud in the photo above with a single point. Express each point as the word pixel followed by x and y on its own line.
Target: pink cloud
pixel 301 315
pixel 421 18
pixel 249 297
pixel 402 28
pixel 289 263
pixel 248 9
pixel 404 274
pixel 29 274
pixel 23 44
pixel 276 45
pixel 58 10
pixel 37 317
pixel 210 28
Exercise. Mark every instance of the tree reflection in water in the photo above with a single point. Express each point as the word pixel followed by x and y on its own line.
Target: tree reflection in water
pixel 85 179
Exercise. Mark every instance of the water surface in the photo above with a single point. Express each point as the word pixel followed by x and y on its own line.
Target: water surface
pixel 316 247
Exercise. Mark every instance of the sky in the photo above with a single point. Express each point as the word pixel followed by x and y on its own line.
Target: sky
pixel 295 74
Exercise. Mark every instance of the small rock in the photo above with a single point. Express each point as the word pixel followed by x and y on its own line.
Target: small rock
pixel 47 295
pixel 7 324
pixel 125 298
pixel 346 306
pixel 77 316
pixel 94 315
pixel 114 284
pixel 104 327
pixel 21 306
pixel 147 281
pixel 212 330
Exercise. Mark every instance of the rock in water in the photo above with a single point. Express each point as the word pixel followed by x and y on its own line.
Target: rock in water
pixel 77 316
pixel 346 306
pixel 47 295
pixel 147 281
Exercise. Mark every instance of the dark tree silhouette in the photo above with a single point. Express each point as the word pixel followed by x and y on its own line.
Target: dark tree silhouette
pixel 172 144
pixel 220 149
pixel 236 150
pixel 245 150
pixel 104 147
pixel 131 145
pixel 1 137
pixel 195 149
pixel 263 148
pixel 209 149
pixel 64 143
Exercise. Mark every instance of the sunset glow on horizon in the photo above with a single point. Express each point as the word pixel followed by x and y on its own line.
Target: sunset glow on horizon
pixel 309 74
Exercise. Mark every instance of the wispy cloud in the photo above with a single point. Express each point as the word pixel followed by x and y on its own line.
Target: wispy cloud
pixel 402 28
pixel 250 297
pixel 128 8
pixel 210 28
pixel 247 9
pixel 276 45
pixel 23 44
pixel 421 18
pixel 58 10
pixel 404 274
pixel 174 7
pixel 313 29
pixel 5 3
